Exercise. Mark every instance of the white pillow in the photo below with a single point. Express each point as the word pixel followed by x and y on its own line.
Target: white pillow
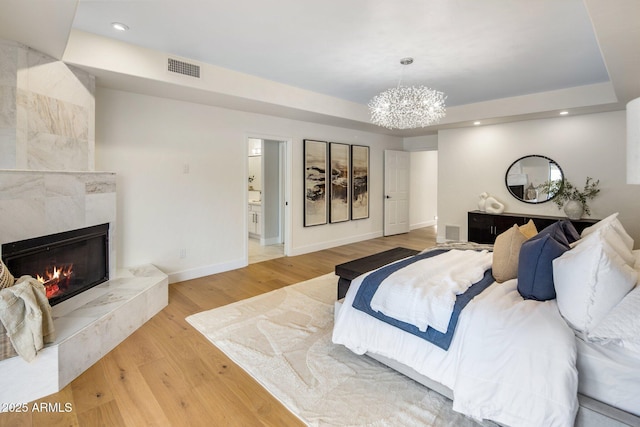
pixel 622 325
pixel 590 280
pixel 600 223
pixel 636 254
pixel 607 232
pixel 613 221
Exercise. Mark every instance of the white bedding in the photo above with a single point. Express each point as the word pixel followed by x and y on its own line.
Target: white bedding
pixel 610 374
pixel 423 293
pixel 518 362
pixel 510 360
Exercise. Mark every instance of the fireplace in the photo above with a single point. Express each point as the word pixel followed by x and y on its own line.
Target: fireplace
pixel 67 263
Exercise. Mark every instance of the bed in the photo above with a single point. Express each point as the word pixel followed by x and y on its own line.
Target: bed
pixel 573 359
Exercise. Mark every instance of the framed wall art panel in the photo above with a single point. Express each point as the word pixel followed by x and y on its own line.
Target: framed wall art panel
pixel 315 178
pixel 339 157
pixel 359 182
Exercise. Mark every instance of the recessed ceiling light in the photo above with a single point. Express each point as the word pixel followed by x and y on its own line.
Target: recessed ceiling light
pixel 119 26
pixel 564 113
pixel 476 123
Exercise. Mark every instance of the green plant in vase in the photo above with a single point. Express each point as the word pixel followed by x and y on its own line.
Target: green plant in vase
pixel 570 198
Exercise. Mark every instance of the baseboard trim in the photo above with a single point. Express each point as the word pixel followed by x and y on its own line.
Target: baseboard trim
pixel 270 241
pixel 207 270
pixel 333 243
pixel 423 224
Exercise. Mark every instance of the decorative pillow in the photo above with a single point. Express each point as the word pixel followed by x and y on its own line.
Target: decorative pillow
pixel 599 224
pixel 560 231
pixel 636 254
pixel 506 251
pixel 621 325
pixel 570 231
pixel 535 268
pixel 590 280
pixel 6 279
pixel 529 229
pixel 612 237
pixel 613 221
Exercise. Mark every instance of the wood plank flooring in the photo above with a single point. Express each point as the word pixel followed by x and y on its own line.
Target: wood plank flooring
pixel 168 374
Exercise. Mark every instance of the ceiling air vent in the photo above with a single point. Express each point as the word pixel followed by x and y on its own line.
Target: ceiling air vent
pixel 185 68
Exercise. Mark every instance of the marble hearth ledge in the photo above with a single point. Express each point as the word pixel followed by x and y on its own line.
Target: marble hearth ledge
pixel 88 326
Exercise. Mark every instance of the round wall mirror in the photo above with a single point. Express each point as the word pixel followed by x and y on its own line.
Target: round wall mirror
pixel 525 177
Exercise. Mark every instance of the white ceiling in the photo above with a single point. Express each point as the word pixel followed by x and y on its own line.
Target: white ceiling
pixel 476 51
pixel 472 50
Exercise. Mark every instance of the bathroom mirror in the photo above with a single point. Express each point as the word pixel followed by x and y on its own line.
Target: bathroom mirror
pixel 525 176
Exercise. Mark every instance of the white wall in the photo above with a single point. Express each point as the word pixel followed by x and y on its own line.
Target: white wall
pixel 423 190
pixel 473 160
pixel 421 143
pixel 148 141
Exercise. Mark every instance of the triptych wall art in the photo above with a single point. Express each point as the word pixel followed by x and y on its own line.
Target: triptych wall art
pixel 336 182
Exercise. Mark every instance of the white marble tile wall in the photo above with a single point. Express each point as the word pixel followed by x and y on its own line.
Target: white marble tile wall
pixel 7 107
pixel 48 76
pixel 9 65
pixel 47 112
pixel 8 124
pixel 7 148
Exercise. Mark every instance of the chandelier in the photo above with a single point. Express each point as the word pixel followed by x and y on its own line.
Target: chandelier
pixel 407 107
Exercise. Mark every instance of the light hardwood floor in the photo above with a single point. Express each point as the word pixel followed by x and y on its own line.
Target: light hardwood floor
pixel 168 374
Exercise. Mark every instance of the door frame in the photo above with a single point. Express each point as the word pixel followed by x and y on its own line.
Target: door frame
pixel 286 174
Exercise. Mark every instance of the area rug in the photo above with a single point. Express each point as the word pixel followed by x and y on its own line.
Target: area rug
pixel 283 340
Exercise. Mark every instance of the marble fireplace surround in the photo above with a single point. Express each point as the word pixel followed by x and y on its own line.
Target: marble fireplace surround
pixel 89 325
pixel 38 203
pixel 48 185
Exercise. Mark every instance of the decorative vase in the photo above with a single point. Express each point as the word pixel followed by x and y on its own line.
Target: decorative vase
pixel 573 209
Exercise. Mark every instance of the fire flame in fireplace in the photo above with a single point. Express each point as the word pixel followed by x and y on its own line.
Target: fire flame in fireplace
pixel 54 278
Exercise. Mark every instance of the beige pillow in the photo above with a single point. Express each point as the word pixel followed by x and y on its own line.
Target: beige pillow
pixel 6 279
pixel 529 229
pixel 506 251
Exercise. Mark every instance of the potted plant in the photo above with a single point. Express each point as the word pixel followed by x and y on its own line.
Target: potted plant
pixel 571 199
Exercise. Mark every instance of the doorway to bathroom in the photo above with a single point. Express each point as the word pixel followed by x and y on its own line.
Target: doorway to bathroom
pixel 266 199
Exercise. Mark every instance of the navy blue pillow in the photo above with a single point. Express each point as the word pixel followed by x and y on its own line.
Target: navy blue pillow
pixel 535 267
pixel 561 231
pixel 570 231
pixel 555 231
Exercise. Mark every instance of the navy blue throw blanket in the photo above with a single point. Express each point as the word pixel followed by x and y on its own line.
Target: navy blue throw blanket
pixel 371 283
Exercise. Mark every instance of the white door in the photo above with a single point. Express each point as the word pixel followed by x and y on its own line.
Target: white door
pixel 396 192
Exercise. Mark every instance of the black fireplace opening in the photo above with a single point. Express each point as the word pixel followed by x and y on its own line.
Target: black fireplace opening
pixel 66 263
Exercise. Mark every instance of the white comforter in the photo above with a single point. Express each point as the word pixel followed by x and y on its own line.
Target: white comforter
pixel 511 360
pixel 423 293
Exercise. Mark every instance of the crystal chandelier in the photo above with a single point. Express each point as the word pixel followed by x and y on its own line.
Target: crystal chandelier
pixel 407 107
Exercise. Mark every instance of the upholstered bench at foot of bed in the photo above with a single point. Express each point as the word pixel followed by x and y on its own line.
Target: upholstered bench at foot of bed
pixel 352 269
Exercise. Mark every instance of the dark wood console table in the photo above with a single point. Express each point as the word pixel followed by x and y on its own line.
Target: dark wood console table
pixel 484 227
pixel 352 269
